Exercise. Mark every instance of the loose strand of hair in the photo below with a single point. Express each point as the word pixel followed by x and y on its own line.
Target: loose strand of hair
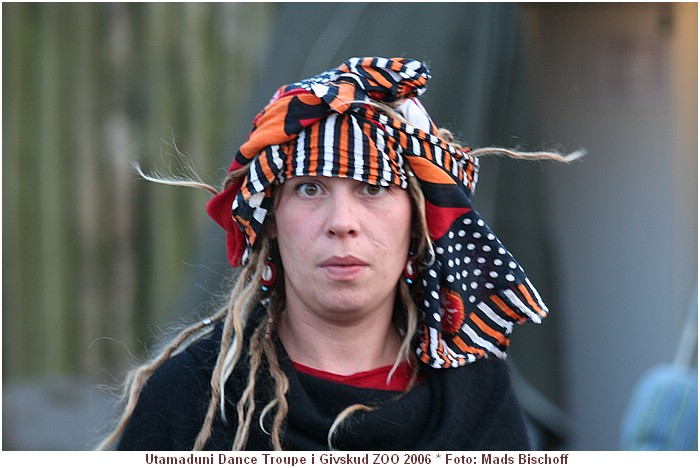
pixel 342 418
pixel 191 180
pixel 227 336
pixel 241 302
pixel 246 405
pixel 411 327
pixel 425 251
pixel 281 387
pixel 528 155
pixel 215 384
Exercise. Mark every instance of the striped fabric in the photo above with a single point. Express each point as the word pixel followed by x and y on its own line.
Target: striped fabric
pixel 475 291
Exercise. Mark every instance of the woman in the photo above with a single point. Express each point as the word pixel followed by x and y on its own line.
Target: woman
pixel 374 306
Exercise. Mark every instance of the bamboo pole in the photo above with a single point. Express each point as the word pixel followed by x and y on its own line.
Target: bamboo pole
pixel 163 229
pixel 120 139
pixel 14 299
pixel 88 191
pixel 198 72
pixel 50 344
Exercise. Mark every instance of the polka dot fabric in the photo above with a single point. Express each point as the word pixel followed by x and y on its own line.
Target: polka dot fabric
pixel 474 292
pixel 473 295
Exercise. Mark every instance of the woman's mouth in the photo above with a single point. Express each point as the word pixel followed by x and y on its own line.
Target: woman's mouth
pixel 343 269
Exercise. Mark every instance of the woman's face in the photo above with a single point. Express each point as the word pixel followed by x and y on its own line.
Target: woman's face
pixel 343 244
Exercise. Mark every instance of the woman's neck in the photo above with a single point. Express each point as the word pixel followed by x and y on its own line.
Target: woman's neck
pixel 342 348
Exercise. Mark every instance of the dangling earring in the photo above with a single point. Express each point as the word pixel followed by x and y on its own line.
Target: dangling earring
pixel 269 274
pixel 410 271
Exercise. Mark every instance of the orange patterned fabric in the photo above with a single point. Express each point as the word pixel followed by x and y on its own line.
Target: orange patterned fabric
pixel 474 291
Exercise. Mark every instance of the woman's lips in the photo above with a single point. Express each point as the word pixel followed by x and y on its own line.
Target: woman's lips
pixel 344 269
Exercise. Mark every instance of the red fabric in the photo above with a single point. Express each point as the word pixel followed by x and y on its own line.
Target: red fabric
pixel 440 219
pixel 374 379
pixel 219 208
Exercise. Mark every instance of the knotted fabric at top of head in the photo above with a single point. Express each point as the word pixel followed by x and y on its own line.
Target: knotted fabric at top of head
pixel 475 291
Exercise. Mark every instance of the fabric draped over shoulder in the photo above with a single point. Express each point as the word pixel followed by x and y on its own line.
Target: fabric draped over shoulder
pixel 475 291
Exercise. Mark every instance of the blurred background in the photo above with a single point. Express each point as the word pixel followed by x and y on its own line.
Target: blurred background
pixel 99 266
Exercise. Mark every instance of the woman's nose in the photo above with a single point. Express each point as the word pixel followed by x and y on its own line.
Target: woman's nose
pixel 343 214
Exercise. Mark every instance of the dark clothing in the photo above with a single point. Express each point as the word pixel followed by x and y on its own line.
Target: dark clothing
pixel 467 408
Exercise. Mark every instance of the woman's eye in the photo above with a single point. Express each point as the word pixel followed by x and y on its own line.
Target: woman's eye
pixel 372 190
pixel 308 189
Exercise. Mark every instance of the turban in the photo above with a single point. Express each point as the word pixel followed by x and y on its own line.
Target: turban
pixel 474 291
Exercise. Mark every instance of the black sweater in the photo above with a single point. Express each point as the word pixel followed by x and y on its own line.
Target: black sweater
pixel 466 408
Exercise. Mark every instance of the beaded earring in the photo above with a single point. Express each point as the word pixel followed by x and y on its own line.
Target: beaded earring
pixel 269 274
pixel 410 272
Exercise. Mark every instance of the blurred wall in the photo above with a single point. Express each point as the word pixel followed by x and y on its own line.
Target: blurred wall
pixel 93 256
pixel 621 80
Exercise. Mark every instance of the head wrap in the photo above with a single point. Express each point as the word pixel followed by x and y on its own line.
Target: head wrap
pixel 474 291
